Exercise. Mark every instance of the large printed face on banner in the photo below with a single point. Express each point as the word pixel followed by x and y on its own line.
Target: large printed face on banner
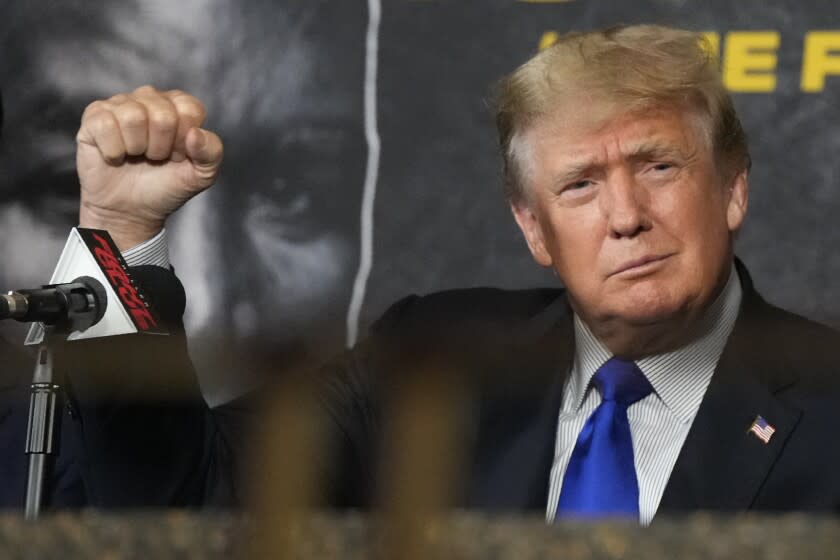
pixel 270 252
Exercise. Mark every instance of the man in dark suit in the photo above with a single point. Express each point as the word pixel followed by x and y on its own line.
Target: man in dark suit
pixel 657 380
pixel 774 364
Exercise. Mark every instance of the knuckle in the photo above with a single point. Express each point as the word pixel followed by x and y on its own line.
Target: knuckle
pixel 132 116
pixel 102 123
pixel 92 109
pixel 163 120
pixel 192 108
pixel 188 106
pixel 146 89
pixel 95 106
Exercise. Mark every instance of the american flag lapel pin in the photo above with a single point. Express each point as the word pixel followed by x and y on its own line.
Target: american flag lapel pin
pixel 762 429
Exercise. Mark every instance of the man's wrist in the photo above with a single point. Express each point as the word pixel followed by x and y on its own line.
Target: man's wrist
pixel 125 232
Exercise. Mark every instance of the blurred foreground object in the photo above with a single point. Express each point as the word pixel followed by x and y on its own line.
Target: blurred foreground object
pixel 175 534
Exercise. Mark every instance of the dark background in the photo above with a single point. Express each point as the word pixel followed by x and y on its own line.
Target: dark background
pixel 278 237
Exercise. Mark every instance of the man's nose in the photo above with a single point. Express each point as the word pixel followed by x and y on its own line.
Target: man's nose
pixel 624 205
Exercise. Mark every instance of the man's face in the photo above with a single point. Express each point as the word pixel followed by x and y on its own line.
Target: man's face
pixel 632 212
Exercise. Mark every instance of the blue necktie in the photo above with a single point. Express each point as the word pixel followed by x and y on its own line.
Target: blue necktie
pixel 601 479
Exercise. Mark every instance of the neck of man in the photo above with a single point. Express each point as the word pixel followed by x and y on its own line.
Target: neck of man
pixel 633 341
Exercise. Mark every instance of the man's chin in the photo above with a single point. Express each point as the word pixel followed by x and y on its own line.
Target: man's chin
pixel 644 312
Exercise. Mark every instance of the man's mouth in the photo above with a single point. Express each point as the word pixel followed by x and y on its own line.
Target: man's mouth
pixel 641 266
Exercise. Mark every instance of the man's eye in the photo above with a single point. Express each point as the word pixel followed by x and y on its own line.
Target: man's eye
pixel 580 184
pixel 662 166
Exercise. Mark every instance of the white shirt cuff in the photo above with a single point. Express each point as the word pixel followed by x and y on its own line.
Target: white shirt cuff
pixel 154 251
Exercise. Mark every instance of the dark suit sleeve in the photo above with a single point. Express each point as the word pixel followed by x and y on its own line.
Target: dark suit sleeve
pixel 352 395
pixel 145 437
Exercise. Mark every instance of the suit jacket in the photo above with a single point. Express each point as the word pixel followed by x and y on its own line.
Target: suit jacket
pixel 135 431
pixel 512 351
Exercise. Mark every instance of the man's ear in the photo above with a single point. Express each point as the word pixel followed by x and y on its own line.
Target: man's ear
pixel 530 226
pixel 736 207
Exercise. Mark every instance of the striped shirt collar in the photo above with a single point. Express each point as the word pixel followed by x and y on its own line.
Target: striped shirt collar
pixel 680 377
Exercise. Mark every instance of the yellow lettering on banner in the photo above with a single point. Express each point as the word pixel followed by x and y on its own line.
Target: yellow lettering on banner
pixel 711 43
pixel 548 39
pixel 750 61
pixel 818 60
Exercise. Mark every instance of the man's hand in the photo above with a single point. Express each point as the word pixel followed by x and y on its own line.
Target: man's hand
pixel 140 157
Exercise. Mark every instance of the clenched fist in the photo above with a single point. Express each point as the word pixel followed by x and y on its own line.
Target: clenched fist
pixel 140 157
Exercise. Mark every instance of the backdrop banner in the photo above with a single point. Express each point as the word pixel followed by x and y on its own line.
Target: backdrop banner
pixel 361 161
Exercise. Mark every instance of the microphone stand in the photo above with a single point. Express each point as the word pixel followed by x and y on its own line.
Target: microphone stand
pixel 44 427
pixel 61 309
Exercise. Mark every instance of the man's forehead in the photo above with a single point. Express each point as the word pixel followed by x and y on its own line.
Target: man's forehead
pixel 647 129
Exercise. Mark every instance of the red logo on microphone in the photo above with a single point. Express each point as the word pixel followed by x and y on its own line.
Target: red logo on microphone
pixel 112 264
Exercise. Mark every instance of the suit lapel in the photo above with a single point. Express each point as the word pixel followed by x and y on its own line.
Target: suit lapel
pixel 722 464
pixel 519 410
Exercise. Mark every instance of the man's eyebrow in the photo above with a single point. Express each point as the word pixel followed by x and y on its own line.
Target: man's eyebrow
pixel 574 169
pixel 646 149
pixel 656 149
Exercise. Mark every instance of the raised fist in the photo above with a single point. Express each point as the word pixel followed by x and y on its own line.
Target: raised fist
pixel 140 156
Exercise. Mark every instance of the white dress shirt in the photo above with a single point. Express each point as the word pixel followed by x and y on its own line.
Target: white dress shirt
pixel 152 251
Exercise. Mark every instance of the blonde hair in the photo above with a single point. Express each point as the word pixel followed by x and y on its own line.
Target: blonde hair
pixel 634 67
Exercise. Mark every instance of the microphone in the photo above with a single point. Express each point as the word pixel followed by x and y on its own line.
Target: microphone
pixel 91 294
pixel 75 306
